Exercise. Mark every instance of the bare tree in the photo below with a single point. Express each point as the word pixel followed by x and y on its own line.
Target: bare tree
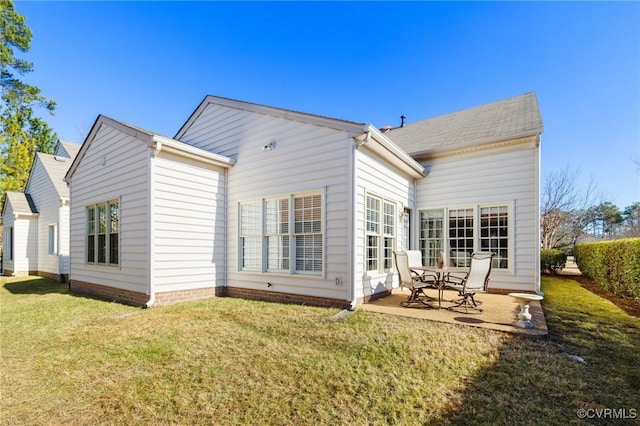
pixel 564 208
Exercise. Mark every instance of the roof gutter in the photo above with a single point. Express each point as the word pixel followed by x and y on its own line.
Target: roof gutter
pixel 161 143
pixel 375 141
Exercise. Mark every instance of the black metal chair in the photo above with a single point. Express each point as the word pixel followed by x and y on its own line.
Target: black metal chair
pixel 476 280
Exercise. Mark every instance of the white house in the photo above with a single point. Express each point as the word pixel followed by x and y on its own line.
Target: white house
pixel 260 202
pixel 36 222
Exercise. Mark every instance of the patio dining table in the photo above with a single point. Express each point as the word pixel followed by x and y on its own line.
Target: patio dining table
pixel 441 274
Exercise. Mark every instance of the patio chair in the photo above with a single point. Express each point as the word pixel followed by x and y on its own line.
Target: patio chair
pixel 476 280
pixel 415 265
pixel 412 281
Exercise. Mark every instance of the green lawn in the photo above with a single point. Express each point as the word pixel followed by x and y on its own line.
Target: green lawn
pixel 78 361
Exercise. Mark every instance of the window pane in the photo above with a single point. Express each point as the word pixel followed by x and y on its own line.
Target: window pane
pixel 113 248
pixel 102 248
pixel 91 248
pixel 91 220
pixel 309 253
pixel 114 216
pixel 373 215
pixel 52 239
pixel 431 236
pixel 372 252
pixel 308 214
pixel 250 235
pixel 494 233
pixel 278 252
pixel 251 253
pixel 277 217
pixel 460 236
pixel 102 219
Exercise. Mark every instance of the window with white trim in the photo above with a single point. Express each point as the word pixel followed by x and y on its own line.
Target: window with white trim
pixel 9 242
pixel 292 239
pixel 308 233
pixel 468 229
pixel 277 234
pixel 251 235
pixel 103 233
pixel 431 236
pixel 53 240
pixel 380 234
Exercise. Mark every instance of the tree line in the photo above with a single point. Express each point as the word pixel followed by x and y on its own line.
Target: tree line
pixel 569 214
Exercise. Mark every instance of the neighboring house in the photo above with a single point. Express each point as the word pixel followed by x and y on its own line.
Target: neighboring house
pixel 260 202
pixel 36 222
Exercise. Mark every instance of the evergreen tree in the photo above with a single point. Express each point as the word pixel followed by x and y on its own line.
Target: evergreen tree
pixel 22 133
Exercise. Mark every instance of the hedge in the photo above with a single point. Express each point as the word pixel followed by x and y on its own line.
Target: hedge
pixel 552 260
pixel 613 265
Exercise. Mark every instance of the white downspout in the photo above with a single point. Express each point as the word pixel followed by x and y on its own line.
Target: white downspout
pixel 150 221
pixel 537 265
pixel 352 218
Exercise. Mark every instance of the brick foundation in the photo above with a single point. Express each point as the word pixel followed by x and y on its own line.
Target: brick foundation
pixel 171 297
pixel 61 278
pixel 108 293
pixel 273 296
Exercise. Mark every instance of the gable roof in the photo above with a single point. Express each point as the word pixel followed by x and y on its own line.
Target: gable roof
pixel 153 140
pixel 303 117
pixel 20 203
pixel 55 167
pixel 510 118
pixel 67 148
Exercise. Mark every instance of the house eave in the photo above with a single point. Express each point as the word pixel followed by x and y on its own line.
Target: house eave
pixel 484 146
pixel 372 139
pixel 161 143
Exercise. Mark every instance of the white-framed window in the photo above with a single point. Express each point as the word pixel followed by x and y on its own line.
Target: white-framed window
pixel 406 230
pixel 283 234
pixel 8 238
pixel 460 231
pixel 103 233
pixel 308 233
pixel 251 235
pixel 380 234
pixel 277 234
pixel 53 239
pixel 431 236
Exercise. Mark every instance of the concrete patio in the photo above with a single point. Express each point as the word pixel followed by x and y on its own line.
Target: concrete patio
pixel 499 311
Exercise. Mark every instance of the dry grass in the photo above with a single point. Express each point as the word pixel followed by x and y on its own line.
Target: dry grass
pixel 72 360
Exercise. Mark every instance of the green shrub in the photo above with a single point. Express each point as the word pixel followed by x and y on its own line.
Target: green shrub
pixel 613 265
pixel 552 260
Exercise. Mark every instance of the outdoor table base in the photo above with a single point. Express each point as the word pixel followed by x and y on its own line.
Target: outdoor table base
pixel 524 316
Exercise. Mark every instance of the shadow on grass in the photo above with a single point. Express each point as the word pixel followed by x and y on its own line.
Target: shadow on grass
pixel 37 285
pixel 43 286
pixel 589 362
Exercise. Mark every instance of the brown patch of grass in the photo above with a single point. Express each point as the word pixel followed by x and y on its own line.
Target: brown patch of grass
pixel 71 360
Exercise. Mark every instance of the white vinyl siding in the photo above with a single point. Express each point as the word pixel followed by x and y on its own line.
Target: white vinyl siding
pixel 506 176
pixel 122 160
pixel 188 224
pixel 52 211
pixel 381 193
pixel 307 157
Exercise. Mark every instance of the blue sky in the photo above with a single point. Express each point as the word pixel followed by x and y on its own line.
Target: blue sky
pixel 151 63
